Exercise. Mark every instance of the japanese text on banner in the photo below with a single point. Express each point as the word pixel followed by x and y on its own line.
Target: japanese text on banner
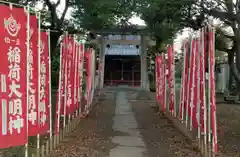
pixel 33 78
pixel 44 85
pixel 13 79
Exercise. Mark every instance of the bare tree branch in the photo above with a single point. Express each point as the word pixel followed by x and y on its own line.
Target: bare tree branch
pixel 52 10
pixel 64 11
pixel 58 2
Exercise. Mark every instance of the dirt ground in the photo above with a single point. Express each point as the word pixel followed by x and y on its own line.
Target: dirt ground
pixel 228 117
pixel 228 124
pixel 92 137
pixel 161 138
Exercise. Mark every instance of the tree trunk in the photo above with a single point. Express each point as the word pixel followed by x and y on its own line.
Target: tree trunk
pixel 235 67
pixel 230 82
pixel 54 37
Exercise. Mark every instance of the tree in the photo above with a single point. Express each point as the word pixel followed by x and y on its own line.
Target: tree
pixel 228 31
pixel 164 18
pixel 50 16
pixel 227 11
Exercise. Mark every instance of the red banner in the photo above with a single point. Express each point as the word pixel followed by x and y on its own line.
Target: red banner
pixel 164 83
pixel 92 76
pixel 212 90
pixel 203 113
pixel 158 81
pixel 77 73
pixel 190 80
pixel 13 71
pixel 87 81
pixel 81 61
pixel 171 79
pixel 61 85
pixel 184 87
pixel 33 78
pixel 73 77
pixel 44 118
pixel 196 86
pixel 70 76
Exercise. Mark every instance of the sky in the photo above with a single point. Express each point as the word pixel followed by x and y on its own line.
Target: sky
pixel 134 20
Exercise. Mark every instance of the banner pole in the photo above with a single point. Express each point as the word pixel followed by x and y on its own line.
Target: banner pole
pixel 93 75
pixel 59 92
pixel 75 77
pixel 65 86
pixel 82 50
pixel 28 51
pixel 204 92
pixel 79 79
pixel 70 114
pixel 188 86
pixel 165 82
pixel 215 146
pixel 183 89
pixel 39 80
pixel 50 88
pixel 199 90
pixel 209 93
pixel 193 83
pixel 174 82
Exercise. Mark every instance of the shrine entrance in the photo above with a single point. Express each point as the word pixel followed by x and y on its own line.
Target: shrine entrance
pixel 123 56
pixel 122 60
pixel 122 70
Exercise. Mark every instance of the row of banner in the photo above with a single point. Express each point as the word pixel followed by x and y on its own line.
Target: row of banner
pixel 197 106
pixel 25 74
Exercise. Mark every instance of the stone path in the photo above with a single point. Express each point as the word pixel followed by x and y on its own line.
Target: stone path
pixel 123 124
pixel 131 144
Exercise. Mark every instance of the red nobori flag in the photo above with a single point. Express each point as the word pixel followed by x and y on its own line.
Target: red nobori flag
pixel 43 108
pixel 190 79
pixel 60 96
pixel 64 69
pixel 202 82
pixel 171 79
pixel 87 56
pixel 184 82
pixel 157 81
pixel 92 76
pixel 13 69
pixel 73 77
pixel 70 75
pixel 77 73
pixel 196 95
pixel 164 82
pixel 33 78
pixel 81 62
pixel 212 89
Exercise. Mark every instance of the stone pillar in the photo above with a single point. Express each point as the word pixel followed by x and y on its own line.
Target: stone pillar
pixel 102 59
pixel 144 70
